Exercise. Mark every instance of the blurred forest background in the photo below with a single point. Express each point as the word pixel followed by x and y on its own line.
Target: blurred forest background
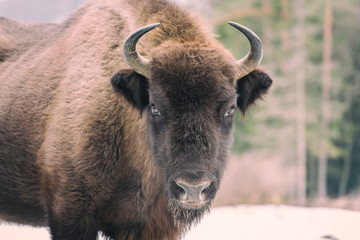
pixel 302 144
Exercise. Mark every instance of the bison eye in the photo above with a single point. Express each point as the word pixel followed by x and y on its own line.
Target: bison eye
pixel 155 111
pixel 230 112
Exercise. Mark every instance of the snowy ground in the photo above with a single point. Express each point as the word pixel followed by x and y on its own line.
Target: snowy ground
pixel 250 222
pixel 278 223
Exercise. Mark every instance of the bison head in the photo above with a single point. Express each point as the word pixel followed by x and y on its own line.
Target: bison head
pixel 189 92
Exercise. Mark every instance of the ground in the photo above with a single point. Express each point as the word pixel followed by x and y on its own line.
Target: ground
pixel 269 222
pixel 249 222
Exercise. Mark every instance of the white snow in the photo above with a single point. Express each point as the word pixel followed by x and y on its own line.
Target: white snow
pixel 248 222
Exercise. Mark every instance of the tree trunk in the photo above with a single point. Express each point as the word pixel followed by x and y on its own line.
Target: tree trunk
pixel 325 102
pixel 300 101
pixel 345 175
pixel 346 169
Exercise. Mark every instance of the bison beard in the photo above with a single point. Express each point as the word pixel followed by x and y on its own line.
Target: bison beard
pixel 137 157
pixel 185 217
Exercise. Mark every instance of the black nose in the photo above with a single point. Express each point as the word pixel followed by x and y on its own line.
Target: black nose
pixel 192 192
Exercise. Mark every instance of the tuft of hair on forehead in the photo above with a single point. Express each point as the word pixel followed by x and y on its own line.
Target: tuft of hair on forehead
pixel 191 73
pixel 195 61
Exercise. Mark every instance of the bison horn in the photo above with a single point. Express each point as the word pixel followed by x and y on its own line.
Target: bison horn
pixel 248 63
pixel 135 60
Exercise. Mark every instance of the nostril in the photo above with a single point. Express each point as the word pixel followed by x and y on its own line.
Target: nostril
pixel 205 187
pixel 208 190
pixel 177 190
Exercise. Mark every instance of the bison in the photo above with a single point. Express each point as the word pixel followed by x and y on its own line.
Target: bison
pixel 119 119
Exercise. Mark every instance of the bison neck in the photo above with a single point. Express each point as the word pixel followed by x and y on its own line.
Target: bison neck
pixel 143 219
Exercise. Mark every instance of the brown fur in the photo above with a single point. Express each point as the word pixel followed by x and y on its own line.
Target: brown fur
pixel 73 152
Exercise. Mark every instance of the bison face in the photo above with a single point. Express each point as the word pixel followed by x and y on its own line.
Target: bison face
pixel 189 103
pixel 192 99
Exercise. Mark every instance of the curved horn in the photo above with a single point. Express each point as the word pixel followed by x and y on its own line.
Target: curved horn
pixel 248 63
pixel 135 60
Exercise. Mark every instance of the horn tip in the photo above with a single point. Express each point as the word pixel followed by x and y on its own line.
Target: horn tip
pixel 149 27
pixel 239 26
pixel 231 23
pixel 154 25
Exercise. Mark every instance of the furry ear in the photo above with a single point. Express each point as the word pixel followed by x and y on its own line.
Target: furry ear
pixel 133 86
pixel 252 87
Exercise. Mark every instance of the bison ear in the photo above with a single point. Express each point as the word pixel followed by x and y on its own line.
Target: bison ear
pixel 133 86
pixel 252 87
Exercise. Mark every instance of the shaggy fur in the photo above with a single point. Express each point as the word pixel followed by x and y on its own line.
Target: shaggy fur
pixel 81 150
